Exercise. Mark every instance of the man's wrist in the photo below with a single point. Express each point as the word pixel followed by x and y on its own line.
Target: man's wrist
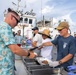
pixel 28 54
pixel 60 62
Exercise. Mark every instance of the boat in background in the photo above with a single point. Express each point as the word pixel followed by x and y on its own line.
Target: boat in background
pixel 27 21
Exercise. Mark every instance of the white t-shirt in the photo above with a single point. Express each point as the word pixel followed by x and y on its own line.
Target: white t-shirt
pixel 38 38
pixel 46 50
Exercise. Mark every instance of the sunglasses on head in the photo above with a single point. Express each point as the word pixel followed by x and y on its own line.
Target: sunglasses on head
pixel 16 19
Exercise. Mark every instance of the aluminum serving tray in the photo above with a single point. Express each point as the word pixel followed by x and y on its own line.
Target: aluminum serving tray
pixel 46 71
pixel 34 68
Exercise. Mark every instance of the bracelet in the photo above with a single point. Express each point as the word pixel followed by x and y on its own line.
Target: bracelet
pixel 60 62
pixel 28 54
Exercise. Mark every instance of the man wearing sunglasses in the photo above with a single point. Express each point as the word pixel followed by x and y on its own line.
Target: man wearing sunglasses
pixel 65 47
pixel 8 46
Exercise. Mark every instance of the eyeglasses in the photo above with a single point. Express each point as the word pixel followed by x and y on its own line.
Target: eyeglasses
pixel 60 29
pixel 16 19
pixel 34 29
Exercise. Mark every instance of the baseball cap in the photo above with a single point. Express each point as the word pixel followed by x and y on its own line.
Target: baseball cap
pixel 35 28
pixel 62 25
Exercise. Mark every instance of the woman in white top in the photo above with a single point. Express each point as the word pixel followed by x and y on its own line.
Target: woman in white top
pixel 46 50
pixel 37 39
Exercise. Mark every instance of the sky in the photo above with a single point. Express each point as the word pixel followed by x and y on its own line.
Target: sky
pixel 56 9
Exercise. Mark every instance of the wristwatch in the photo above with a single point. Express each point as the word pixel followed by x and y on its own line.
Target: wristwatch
pixel 28 54
pixel 60 62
